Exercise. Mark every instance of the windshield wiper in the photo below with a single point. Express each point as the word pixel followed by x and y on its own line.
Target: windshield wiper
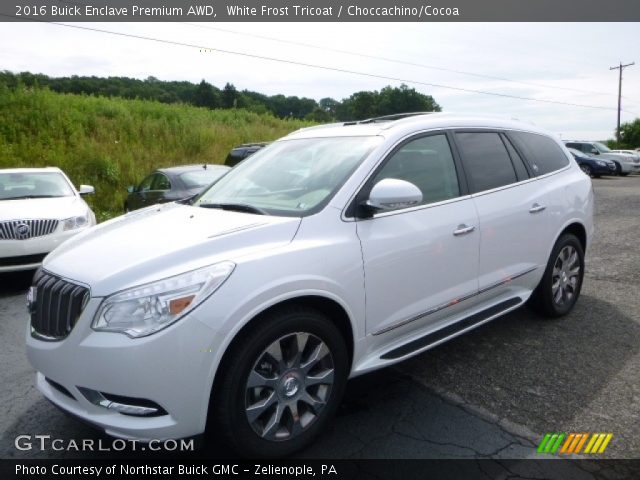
pixel 236 207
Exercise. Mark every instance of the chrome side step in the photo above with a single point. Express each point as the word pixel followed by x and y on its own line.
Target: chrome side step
pixel 450 330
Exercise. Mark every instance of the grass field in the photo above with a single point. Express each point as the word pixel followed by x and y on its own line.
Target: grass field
pixel 111 143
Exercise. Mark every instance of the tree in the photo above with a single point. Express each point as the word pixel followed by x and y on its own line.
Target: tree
pixel 404 100
pixel 630 134
pixel 329 105
pixel 229 96
pixel 205 96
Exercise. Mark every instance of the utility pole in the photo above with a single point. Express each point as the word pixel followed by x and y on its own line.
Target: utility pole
pixel 620 67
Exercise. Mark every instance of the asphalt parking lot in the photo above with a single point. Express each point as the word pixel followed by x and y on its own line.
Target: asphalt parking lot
pixel 492 393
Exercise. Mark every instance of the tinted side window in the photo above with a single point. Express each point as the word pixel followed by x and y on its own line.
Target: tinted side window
pixel 486 160
pixel 543 153
pixel 145 186
pixel 428 164
pixel 161 182
pixel 516 159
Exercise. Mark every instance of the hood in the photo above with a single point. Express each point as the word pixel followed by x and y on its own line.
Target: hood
pixel 42 208
pixel 614 156
pixel 161 241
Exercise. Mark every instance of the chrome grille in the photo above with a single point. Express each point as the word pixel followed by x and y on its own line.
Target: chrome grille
pixel 55 305
pixel 25 229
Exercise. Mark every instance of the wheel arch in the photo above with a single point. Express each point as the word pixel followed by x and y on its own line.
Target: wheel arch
pixel 578 229
pixel 334 311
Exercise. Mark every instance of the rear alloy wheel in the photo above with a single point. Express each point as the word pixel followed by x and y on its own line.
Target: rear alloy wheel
pixel 559 289
pixel 586 169
pixel 281 383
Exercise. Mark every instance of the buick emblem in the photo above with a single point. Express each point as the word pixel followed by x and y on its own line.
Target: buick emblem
pixel 31 300
pixel 22 230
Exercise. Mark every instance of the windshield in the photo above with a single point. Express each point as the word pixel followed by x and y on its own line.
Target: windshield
pixel 601 147
pixel 202 178
pixel 290 177
pixel 19 185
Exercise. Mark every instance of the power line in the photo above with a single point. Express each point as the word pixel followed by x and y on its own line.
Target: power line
pixel 321 67
pixel 391 60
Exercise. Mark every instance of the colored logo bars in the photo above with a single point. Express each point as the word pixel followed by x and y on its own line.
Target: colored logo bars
pixel 567 443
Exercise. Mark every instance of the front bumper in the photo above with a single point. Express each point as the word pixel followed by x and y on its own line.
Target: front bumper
pixel 172 368
pixel 16 255
pixel 603 169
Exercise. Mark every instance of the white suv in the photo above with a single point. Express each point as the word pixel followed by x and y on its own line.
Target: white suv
pixel 332 252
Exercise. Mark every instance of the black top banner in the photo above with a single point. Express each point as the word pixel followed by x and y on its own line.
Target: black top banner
pixel 321 10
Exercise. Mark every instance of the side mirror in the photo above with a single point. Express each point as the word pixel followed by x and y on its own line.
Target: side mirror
pixel 131 189
pixel 594 152
pixel 86 190
pixel 392 194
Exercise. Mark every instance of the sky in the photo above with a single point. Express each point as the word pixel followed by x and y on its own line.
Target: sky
pixel 557 62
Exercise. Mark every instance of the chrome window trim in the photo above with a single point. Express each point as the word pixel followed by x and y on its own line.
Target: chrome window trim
pixel 382 158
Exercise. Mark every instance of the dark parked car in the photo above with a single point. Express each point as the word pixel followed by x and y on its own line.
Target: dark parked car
pixel 171 184
pixel 594 167
pixel 239 153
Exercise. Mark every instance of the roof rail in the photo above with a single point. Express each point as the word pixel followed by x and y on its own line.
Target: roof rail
pixel 388 118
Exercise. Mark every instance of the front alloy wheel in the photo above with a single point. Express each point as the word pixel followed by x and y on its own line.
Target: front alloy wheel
pixel 288 386
pixel 280 382
pixel 586 169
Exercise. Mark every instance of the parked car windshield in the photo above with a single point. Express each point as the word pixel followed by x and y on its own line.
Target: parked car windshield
pixel 576 153
pixel 17 185
pixel 601 147
pixel 202 178
pixel 290 177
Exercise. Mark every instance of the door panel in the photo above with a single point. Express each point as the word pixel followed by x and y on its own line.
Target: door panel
pixel 513 239
pixel 419 259
pixel 512 210
pixel 413 262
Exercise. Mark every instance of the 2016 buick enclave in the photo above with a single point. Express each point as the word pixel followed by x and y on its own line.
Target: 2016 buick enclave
pixel 332 252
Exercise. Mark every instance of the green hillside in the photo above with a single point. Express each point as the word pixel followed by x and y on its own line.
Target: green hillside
pixel 111 143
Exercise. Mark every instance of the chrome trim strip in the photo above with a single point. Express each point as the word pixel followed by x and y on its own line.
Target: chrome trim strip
pixel 453 302
pixel 506 280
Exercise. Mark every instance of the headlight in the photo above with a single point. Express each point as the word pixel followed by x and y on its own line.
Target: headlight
pixel 143 310
pixel 601 163
pixel 76 222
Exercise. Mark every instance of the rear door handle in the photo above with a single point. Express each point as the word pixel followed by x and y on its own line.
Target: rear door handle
pixel 463 229
pixel 536 207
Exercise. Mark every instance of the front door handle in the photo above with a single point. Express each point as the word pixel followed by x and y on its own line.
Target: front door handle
pixel 463 229
pixel 536 207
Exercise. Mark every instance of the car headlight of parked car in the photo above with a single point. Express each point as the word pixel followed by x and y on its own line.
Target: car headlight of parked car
pixel 76 222
pixel 601 163
pixel 145 309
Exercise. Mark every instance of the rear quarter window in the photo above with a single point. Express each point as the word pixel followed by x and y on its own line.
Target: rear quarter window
pixel 543 153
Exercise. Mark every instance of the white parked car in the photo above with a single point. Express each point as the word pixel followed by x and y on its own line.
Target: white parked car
pixel 332 252
pixel 631 153
pixel 39 209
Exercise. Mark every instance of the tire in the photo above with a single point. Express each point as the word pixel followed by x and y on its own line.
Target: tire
pixel 586 169
pixel 623 174
pixel 618 169
pixel 126 208
pixel 556 294
pixel 240 409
